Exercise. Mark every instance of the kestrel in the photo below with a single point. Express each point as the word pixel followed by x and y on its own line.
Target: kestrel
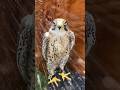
pixel 90 32
pixel 56 46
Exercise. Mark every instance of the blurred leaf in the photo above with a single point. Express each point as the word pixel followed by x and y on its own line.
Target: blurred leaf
pixel 41 81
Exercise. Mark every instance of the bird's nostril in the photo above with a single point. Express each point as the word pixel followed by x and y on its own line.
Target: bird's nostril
pixel 59 27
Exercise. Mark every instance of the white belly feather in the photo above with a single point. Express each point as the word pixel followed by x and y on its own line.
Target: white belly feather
pixel 60 43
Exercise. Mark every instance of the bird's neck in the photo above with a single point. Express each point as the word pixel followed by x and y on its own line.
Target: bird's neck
pixel 58 32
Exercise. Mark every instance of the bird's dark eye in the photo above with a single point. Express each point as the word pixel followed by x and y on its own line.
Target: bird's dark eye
pixel 54 25
pixel 65 26
pixel 53 28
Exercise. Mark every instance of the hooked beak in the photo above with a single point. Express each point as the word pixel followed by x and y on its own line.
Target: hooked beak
pixel 59 27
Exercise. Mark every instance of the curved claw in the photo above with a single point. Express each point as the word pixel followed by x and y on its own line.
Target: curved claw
pixel 65 76
pixel 54 80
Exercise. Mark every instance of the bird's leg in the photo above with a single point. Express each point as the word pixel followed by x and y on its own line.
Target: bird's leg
pixel 63 74
pixel 53 79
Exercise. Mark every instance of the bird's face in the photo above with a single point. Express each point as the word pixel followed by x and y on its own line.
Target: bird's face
pixel 59 24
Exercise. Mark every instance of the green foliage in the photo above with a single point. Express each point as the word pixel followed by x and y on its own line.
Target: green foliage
pixel 40 81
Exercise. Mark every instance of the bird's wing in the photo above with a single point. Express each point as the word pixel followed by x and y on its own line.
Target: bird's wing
pixel 90 32
pixel 25 50
pixel 45 43
pixel 71 39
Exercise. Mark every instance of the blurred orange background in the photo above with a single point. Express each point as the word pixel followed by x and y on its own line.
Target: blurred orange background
pixel 74 12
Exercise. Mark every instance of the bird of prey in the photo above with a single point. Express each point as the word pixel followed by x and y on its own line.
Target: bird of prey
pixel 56 46
pixel 90 32
pixel 25 51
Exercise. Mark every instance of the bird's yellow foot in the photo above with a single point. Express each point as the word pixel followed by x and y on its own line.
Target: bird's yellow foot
pixel 54 80
pixel 65 76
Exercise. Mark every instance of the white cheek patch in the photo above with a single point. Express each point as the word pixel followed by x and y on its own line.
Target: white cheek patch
pixel 46 34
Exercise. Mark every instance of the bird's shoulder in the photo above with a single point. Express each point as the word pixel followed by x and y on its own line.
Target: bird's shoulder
pixel 46 34
pixel 71 33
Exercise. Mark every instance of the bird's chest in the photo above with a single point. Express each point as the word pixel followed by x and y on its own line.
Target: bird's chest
pixel 59 43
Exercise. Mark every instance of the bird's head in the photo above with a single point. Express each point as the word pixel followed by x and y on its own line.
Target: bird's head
pixel 59 24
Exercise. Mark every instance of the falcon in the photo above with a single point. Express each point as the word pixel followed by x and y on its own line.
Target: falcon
pixel 56 47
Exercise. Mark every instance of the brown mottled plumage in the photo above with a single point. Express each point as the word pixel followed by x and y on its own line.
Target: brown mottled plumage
pixel 56 46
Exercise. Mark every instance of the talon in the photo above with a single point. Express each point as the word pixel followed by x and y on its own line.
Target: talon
pixel 54 80
pixel 65 76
